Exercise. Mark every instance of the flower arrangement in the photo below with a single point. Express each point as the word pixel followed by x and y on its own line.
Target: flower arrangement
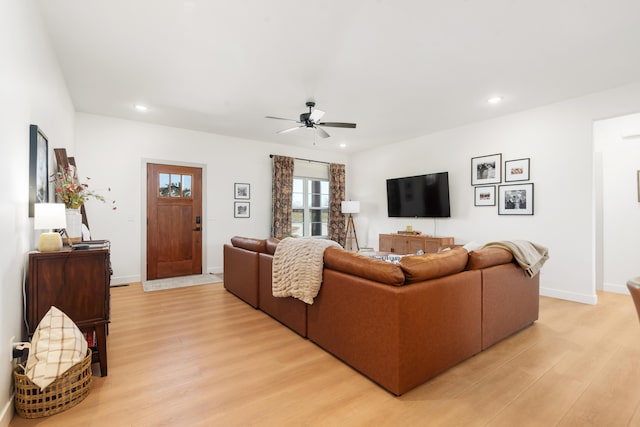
pixel 71 191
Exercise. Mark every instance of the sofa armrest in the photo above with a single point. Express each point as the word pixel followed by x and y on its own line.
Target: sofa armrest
pixel 241 273
pixel 488 257
pixel 249 243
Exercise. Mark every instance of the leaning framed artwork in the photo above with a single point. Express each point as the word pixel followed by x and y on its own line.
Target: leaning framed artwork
pixel 486 169
pixel 485 195
pixel 515 199
pixel 516 170
pixel 38 167
pixel 242 191
pixel 241 209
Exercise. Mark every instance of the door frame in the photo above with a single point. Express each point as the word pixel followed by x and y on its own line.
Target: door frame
pixel 144 207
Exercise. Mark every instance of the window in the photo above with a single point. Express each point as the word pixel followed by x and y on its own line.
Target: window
pixel 310 215
pixel 174 185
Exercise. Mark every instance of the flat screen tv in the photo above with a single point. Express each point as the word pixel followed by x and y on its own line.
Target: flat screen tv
pixel 423 196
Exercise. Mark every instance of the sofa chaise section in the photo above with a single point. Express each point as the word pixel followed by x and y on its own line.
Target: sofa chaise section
pixel 398 336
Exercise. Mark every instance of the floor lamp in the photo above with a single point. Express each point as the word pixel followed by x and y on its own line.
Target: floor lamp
pixel 350 207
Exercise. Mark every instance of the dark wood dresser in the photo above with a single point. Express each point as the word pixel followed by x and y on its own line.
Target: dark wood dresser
pixel 76 282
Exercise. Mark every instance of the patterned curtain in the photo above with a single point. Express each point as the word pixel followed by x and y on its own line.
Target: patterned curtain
pixel 282 196
pixel 337 227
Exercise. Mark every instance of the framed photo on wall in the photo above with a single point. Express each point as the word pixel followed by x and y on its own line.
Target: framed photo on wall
pixel 516 170
pixel 515 199
pixel 486 169
pixel 241 210
pixel 242 191
pixel 38 167
pixel 485 195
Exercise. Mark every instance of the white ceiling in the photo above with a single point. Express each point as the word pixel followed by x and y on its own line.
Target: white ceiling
pixel 398 68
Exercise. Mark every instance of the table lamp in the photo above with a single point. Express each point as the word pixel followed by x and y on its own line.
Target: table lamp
pixel 48 216
pixel 350 207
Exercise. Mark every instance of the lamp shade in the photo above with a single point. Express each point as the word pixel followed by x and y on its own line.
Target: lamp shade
pixel 350 207
pixel 48 216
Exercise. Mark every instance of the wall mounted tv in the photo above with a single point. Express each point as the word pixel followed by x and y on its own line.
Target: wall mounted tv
pixel 423 196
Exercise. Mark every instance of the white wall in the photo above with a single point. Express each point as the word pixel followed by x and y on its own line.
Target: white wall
pixel 112 152
pixel 558 140
pixel 32 91
pixel 620 208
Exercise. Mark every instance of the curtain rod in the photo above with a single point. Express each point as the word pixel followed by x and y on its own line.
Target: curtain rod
pixel 305 160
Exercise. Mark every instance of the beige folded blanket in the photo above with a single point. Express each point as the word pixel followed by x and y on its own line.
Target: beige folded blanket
pixel 297 268
pixel 529 256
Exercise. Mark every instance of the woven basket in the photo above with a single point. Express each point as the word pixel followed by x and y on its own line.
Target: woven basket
pixel 65 392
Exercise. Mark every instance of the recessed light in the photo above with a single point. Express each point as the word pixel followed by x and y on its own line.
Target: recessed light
pixel 141 107
pixel 343 145
pixel 495 100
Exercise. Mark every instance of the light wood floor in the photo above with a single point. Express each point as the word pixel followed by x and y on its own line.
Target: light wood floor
pixel 201 357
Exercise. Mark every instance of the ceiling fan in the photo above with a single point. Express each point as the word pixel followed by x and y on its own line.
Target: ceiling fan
pixel 312 120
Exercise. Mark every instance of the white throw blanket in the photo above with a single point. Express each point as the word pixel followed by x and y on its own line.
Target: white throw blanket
pixel 297 268
pixel 529 256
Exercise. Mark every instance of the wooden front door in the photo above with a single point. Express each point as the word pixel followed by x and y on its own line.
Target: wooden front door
pixel 174 221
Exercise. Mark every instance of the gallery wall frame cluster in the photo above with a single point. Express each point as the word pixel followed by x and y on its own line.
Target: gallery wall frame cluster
pixel 512 199
pixel 242 195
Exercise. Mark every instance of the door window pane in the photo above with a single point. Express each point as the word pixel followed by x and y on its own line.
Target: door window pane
pixel 175 185
pixel 163 185
pixel 186 185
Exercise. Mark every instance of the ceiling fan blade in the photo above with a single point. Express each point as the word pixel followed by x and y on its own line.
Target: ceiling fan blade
pixel 323 133
pixel 280 118
pixel 290 129
pixel 339 125
pixel 316 115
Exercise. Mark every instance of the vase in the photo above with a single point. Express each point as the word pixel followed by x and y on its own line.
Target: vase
pixel 74 226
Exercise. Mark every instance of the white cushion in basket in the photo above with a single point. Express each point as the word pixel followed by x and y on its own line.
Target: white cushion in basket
pixel 57 344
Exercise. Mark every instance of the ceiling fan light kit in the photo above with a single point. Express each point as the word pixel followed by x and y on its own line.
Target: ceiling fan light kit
pixel 311 119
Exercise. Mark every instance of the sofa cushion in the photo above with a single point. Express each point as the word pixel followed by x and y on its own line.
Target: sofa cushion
pixel 359 265
pixel 488 257
pixel 248 243
pixel 272 244
pixel 431 266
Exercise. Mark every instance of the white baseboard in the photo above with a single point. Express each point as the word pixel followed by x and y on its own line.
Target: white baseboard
pixel 7 413
pixel 215 270
pixel 570 296
pixel 616 288
pixel 119 280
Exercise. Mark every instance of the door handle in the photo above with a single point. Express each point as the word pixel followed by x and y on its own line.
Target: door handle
pixel 196 229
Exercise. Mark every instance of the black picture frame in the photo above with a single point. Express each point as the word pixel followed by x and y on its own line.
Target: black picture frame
pixel 38 168
pixel 517 170
pixel 515 199
pixel 241 209
pixel 484 195
pixel 242 191
pixel 486 169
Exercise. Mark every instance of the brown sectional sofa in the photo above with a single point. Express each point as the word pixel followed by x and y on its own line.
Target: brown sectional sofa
pixel 399 325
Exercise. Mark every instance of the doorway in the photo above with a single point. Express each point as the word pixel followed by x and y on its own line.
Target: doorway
pixel 174 221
